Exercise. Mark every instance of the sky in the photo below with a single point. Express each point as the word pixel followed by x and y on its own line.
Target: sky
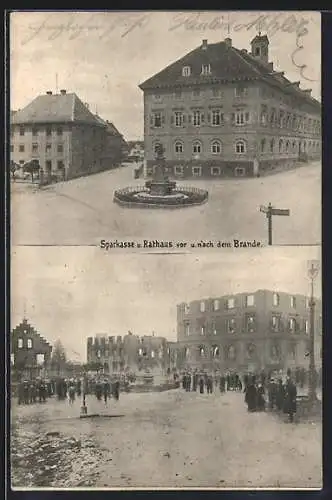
pixel 104 56
pixel 71 293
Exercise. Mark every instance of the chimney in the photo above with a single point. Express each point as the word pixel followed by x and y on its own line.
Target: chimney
pixel 204 44
pixel 63 91
pixel 228 42
pixel 307 91
pixel 49 92
pixel 270 66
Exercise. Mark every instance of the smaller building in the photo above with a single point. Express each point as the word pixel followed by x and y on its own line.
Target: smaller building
pixel 30 352
pixel 116 354
pixel 66 139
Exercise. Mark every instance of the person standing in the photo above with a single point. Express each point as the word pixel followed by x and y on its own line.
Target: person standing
pixel 201 384
pixel 222 383
pixel 251 396
pixel 290 399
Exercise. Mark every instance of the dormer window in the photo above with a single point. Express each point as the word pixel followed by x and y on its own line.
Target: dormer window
pixel 186 71
pixel 206 69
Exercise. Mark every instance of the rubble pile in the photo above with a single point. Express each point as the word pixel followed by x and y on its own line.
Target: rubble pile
pixel 53 460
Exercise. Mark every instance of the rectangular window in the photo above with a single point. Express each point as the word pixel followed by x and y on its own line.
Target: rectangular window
pixel 241 91
pixel 306 327
pixel 197 93
pixel 206 69
pixel 240 172
pixel 215 171
pixel 178 170
pixel 275 323
pixel 40 358
pixel 22 131
pixel 293 302
pixel 230 325
pixel 48 131
pixel 11 148
pixel 21 148
pixel 197 171
pixel 186 308
pixel 60 148
pixel 187 329
pixel 216 117
pixel 29 344
pixel 34 131
pixel 202 306
pixel 48 148
pixel 213 328
pixel 35 148
pixel 12 359
pixel 241 117
pixel 197 118
pixel 230 303
pixel 250 323
pixel 203 330
pixel 157 97
pixel 178 118
pixel 275 299
pixel 60 165
pixel 59 131
pixel 178 95
pixel 140 352
pixel 157 120
pixel 250 300
pixel 291 325
pixel 186 71
pixel 20 343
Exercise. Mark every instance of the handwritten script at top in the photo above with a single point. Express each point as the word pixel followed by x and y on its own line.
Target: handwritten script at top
pixel 267 23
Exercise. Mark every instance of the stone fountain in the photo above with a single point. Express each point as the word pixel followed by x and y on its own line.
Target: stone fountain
pixel 160 191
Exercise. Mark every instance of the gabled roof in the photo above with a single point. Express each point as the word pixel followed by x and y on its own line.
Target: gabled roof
pixel 228 64
pixel 25 326
pixel 111 128
pixel 57 108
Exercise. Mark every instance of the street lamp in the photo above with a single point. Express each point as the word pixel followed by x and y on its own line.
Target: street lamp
pixel 313 269
pixel 84 408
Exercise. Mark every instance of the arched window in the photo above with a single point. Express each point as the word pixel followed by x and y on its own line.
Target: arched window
pixel 272 145
pixel 216 351
pixel 287 146
pixel 178 146
pixel 197 147
pixel 281 146
pixel 202 352
pixel 240 146
pixel 263 143
pixel 294 145
pixel 187 352
pixel 215 147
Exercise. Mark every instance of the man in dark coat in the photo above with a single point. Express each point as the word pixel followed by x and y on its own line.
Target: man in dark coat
pixel 201 384
pixel 222 383
pixel 290 399
pixel 251 396
pixel 280 395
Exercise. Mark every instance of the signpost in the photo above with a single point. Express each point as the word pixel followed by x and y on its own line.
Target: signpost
pixel 270 211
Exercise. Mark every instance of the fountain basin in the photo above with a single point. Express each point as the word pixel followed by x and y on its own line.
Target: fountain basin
pixel 145 197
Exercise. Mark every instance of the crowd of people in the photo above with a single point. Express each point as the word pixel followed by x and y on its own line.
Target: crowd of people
pixel 39 390
pixel 261 391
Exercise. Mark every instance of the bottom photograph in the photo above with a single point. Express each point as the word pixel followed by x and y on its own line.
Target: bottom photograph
pixel 136 371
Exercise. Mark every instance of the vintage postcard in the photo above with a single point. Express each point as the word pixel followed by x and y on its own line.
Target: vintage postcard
pixel 166 371
pixel 166 305
pixel 214 131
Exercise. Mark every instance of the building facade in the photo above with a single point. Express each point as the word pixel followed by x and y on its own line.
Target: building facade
pixel 130 352
pixel 248 332
pixel 67 140
pixel 220 111
pixel 30 352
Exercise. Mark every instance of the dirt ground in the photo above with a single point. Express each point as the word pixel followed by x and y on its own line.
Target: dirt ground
pixel 171 439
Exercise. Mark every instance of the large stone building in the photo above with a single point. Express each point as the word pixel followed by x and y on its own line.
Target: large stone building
pixel 30 352
pixel 130 352
pixel 222 111
pixel 64 136
pixel 248 332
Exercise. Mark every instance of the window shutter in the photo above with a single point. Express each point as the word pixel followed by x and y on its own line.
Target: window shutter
pixel 163 119
pixel 233 117
pixel 151 120
pixel 183 119
pixel 189 118
pixel 247 117
pixel 202 117
pixel 210 118
pixel 172 119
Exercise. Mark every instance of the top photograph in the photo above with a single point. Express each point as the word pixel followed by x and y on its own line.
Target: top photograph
pixel 165 127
